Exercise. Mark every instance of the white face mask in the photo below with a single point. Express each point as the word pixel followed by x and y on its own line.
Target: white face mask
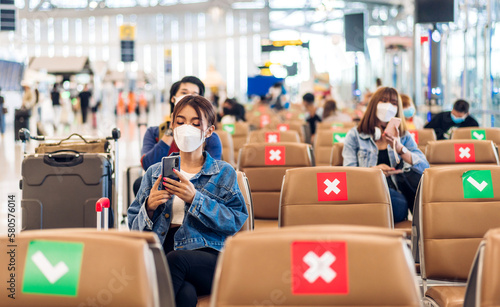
pixel 386 111
pixel 188 138
pixel 177 99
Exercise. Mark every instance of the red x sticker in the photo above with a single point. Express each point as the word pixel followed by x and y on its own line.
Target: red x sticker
pixel 319 267
pixel 283 127
pixel 275 155
pixel 464 153
pixel 272 137
pixel 265 119
pixel 414 135
pixel 331 186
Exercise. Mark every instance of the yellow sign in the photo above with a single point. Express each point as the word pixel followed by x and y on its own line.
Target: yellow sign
pixel 167 53
pixel 127 32
pixel 297 42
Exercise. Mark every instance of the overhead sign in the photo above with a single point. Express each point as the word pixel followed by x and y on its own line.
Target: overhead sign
pixel 127 32
pixel 127 43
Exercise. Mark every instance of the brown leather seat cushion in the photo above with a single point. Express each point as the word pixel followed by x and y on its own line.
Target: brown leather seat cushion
pixel 264 260
pixel 442 152
pixel 260 136
pixel 265 224
pixel 447 296
pixel 492 134
pixel 323 144
pixel 367 199
pixel 203 301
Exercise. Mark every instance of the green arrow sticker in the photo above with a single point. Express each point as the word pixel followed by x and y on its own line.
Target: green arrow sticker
pixel 477 184
pixel 229 128
pixel 478 134
pixel 53 268
pixel 338 137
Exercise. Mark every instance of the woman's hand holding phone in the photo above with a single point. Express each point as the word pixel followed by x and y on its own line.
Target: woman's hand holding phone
pixel 387 170
pixel 157 197
pixel 183 188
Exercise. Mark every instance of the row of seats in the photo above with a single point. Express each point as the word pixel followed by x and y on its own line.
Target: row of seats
pixel 320 265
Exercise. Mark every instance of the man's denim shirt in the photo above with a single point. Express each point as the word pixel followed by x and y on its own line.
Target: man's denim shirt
pixel 360 150
pixel 218 209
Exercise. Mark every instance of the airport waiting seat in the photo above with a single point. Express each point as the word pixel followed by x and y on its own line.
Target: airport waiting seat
pixel 335 125
pixel 273 136
pixel 227 146
pixel 337 159
pixel 71 267
pixel 324 142
pixel 335 195
pixel 204 301
pixel 456 207
pixel 483 282
pixel 422 137
pixel 244 186
pixel 268 120
pixel 294 125
pixel 323 265
pixel 461 152
pixel 477 133
pixel 265 165
pixel 239 132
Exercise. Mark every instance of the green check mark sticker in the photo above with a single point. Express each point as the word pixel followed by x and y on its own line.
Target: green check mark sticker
pixel 478 134
pixel 338 137
pixel 53 267
pixel 477 184
pixel 229 128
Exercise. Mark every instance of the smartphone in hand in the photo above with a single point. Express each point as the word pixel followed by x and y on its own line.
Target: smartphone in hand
pixel 167 167
pixel 392 128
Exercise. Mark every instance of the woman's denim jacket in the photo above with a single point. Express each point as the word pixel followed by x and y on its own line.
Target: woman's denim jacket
pixel 360 150
pixel 218 209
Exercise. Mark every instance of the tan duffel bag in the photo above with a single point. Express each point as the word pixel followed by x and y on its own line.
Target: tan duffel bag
pixel 79 145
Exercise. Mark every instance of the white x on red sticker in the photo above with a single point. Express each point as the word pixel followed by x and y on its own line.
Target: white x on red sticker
pixel 465 153
pixel 275 155
pixel 414 135
pixel 283 127
pixel 319 267
pixel 264 120
pixel 272 137
pixel 331 186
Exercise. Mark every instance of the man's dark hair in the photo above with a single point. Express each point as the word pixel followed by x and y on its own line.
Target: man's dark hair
pixel 195 81
pixel 461 106
pixel 308 98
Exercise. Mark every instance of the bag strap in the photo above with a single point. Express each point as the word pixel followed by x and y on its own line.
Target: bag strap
pixel 78 135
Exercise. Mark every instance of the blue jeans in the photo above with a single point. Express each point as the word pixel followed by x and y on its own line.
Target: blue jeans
pixel 399 206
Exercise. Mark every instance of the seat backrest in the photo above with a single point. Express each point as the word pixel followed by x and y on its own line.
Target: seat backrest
pixel 337 158
pixel 324 142
pixel 265 165
pixel 459 152
pixel 264 121
pixel 227 146
pixel 239 132
pixel 68 267
pixel 422 137
pixel 457 206
pixel 293 125
pixel 244 186
pixel 273 136
pixel 335 195
pixel 316 266
pixel 483 282
pixel 477 133
pixel 335 125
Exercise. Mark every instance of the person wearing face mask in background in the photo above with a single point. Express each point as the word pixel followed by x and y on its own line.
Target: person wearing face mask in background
pixel 368 146
pixel 445 122
pixel 194 215
pixel 412 122
pixel 158 141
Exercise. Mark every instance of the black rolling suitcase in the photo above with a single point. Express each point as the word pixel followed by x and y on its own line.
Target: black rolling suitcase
pixel 21 120
pixel 61 187
pixel 60 190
